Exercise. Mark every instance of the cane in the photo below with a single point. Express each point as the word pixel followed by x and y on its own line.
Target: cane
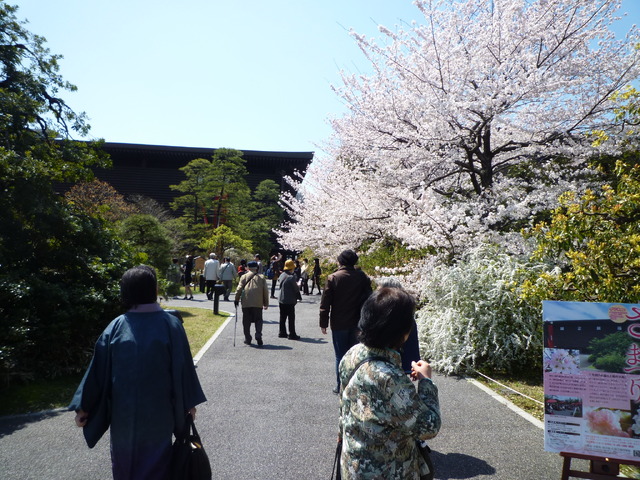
pixel 235 328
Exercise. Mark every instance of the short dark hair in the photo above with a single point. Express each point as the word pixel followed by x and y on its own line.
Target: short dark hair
pixel 386 317
pixel 139 285
pixel 348 258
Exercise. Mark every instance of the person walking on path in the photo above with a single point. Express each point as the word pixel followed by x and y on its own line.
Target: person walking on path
pixel 275 265
pixel 227 274
pixel 211 274
pixel 289 296
pixel 343 296
pixel 253 292
pixel 141 383
pixel 304 276
pixel 187 270
pixel 242 268
pixel 382 414
pixel 316 271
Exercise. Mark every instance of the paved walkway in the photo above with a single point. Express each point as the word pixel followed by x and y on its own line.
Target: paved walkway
pixel 270 414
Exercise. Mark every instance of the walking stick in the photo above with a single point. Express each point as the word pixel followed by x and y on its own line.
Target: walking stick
pixel 235 328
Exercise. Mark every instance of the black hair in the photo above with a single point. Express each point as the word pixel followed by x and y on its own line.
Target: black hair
pixel 386 317
pixel 138 286
pixel 348 258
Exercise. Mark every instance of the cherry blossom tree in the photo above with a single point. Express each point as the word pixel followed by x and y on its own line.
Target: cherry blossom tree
pixel 472 122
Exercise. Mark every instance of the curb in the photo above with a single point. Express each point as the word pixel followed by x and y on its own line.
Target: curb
pixel 508 403
pixel 213 338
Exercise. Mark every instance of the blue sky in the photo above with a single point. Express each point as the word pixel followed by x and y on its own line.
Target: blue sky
pixel 251 75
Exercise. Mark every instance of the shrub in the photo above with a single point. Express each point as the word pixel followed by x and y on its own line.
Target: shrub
pixel 609 353
pixel 475 318
pixel 613 362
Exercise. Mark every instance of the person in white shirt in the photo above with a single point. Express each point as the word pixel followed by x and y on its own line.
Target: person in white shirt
pixel 211 274
pixel 227 273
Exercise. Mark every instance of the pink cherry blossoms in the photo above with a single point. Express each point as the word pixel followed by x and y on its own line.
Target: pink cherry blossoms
pixel 456 132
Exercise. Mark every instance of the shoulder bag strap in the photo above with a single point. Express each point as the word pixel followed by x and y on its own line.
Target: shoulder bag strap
pixel 249 278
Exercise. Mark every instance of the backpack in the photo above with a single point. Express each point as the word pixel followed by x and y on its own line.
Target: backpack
pixel 269 273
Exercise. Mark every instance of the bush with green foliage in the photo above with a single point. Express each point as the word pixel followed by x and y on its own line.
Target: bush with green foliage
pixel 475 318
pixel 148 239
pixel 58 282
pixel 222 240
pixel 594 241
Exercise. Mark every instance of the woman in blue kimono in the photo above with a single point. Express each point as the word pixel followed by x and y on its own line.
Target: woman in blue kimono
pixel 141 383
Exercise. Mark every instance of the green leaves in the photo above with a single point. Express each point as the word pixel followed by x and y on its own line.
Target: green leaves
pixel 215 194
pixel 595 239
pixel 59 267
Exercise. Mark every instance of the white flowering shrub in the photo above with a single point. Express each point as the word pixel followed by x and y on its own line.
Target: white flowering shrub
pixel 474 317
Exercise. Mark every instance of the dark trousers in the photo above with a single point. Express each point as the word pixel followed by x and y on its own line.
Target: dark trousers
pixel 305 285
pixel 252 315
pixel 315 281
pixel 288 311
pixel 274 280
pixel 343 340
pixel 227 288
pixel 210 284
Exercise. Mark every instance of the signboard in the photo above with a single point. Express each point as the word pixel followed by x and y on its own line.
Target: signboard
pixel 592 379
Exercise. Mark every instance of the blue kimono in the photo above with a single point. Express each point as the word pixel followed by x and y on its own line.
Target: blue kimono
pixel 141 382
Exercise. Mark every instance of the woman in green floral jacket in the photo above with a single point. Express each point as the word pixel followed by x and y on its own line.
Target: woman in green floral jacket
pixel 382 412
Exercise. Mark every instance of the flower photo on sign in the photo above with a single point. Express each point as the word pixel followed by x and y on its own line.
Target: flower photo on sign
pixel 560 360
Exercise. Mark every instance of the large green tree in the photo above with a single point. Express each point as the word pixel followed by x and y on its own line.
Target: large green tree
pixel 231 194
pixel 266 214
pixel 59 267
pixel 214 193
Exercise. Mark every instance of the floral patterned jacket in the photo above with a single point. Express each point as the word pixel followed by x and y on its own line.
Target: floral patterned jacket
pixel 382 416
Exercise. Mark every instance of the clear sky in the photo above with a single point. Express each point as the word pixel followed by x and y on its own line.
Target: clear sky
pixel 250 75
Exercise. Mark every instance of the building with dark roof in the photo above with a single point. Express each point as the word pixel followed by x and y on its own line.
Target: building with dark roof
pixel 149 170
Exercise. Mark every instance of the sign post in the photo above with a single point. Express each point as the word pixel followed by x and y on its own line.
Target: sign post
pixel 592 385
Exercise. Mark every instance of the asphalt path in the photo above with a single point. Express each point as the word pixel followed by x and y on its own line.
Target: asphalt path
pixel 270 414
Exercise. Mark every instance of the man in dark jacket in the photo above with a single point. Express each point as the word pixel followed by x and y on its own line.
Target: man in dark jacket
pixel 344 293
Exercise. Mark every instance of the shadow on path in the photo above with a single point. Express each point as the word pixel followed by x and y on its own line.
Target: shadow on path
pixel 458 466
pixel 13 423
pixel 266 346
pixel 315 341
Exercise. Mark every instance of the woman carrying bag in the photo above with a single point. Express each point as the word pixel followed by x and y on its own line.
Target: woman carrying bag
pixel 140 384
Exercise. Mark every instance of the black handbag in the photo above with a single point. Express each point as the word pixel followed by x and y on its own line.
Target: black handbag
pixel 189 461
pixel 425 451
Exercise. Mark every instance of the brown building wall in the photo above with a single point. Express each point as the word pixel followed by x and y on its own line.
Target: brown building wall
pixel 149 170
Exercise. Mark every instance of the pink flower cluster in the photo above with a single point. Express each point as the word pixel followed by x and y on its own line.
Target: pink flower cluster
pixel 605 422
pixel 561 361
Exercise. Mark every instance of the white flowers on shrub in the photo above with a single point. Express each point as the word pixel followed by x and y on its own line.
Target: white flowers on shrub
pixel 474 317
